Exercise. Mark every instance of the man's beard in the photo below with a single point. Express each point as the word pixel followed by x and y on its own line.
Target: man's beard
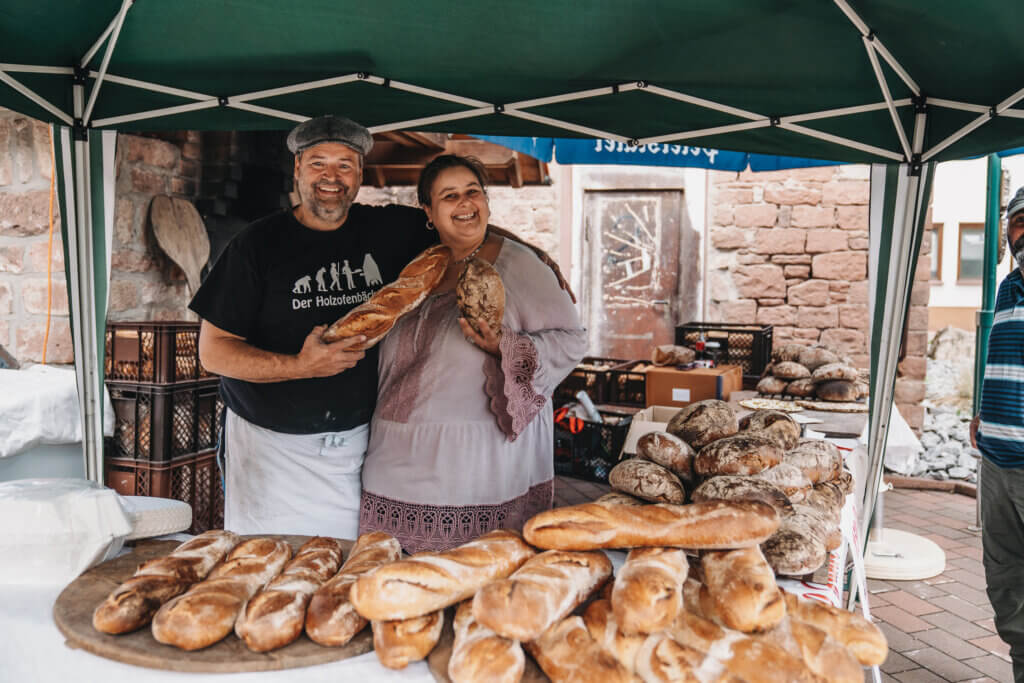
pixel 330 214
pixel 1017 249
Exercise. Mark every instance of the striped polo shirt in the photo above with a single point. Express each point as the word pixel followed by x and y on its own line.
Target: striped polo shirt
pixel 1001 433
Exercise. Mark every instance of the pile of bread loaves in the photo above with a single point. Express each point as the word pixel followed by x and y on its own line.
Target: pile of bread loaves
pixel 659 619
pixel 812 372
pixel 708 454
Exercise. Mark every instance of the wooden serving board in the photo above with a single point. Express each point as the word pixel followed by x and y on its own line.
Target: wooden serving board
pixel 73 614
pixel 437 660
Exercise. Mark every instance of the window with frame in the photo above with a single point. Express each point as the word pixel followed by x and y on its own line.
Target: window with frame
pixel 971 253
pixel 936 252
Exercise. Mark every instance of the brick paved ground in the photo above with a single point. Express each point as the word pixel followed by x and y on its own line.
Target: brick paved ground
pixel 939 629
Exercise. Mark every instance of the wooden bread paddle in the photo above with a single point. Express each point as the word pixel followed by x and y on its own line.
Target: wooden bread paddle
pixel 180 232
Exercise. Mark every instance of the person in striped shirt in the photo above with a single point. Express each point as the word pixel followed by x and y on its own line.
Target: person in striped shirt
pixel 998 432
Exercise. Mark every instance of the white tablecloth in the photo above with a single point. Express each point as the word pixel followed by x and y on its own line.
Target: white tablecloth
pixel 32 649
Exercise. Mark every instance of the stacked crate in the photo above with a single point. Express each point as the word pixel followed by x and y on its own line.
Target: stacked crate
pixel 167 418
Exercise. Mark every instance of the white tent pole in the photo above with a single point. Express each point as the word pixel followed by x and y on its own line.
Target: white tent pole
pixel 701 102
pixel 1014 113
pixel 866 32
pixel 585 130
pixel 37 69
pixel 111 44
pixel 266 111
pixel 976 123
pixel 880 77
pixel 567 97
pixel 430 92
pixel 91 52
pixel 844 111
pixel 298 87
pixel 846 142
pixel 749 125
pixel 154 87
pixel 962 106
pixel 154 113
pixel 32 95
pixel 427 120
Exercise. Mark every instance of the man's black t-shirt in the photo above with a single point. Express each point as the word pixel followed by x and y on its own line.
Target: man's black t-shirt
pixel 277 279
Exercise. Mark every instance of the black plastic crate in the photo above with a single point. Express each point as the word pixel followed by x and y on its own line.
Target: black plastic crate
pixel 591 375
pixel 627 384
pixel 594 450
pixel 194 479
pixel 159 423
pixel 153 352
pixel 749 346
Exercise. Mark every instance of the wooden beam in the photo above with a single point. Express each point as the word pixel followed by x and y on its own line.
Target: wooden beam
pixel 515 171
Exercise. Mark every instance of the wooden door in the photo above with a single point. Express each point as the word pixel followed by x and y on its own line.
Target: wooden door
pixel 640 270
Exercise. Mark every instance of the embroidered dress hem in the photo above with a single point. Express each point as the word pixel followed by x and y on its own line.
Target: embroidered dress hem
pixel 509 383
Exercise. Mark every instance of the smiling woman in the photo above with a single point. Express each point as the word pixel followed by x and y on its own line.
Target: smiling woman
pixel 461 439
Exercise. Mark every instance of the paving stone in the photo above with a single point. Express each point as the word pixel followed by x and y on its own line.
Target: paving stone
pixel 954 624
pixel 952 645
pixel 911 603
pixel 962 608
pixel 920 589
pixel 903 620
pixel 918 676
pixel 993 645
pixel 992 666
pixel 987 624
pixel 899 641
pixel 968 578
pixel 879 586
pixel 895 663
pixel 969 564
pixel 971 595
pixel 941 664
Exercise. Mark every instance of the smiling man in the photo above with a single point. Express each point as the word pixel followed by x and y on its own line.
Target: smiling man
pixel 998 432
pixel 298 409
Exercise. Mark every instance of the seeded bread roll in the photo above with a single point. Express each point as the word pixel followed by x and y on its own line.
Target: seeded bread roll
pixel 804 388
pixel 790 371
pixel 769 386
pixel 774 424
pixel 818 459
pixel 834 371
pixel 741 454
pixel 837 390
pixel 700 423
pixel 816 356
pixel 787 352
pixel 787 477
pixel 647 480
pixel 480 295
pixel 669 451
pixel 731 487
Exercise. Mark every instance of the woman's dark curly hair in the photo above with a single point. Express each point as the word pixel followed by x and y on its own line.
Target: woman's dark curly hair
pixel 442 163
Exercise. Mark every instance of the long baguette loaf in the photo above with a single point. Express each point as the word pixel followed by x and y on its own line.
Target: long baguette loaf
pixel 603 627
pixel 568 654
pixel 132 604
pixel 428 582
pixel 375 317
pixel 862 638
pixel 479 655
pixel 822 654
pixel 648 591
pixel 545 589
pixel 709 525
pixel 401 641
pixel 207 612
pixel 742 588
pixel 331 620
pixel 274 616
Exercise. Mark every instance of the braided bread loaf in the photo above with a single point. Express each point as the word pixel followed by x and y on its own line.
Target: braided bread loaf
pixel 132 604
pixel 375 317
pixel 274 617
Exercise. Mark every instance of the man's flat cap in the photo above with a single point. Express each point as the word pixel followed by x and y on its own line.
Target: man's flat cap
pixel 330 129
pixel 1016 204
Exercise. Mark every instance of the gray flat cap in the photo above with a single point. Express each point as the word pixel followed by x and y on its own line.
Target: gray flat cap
pixel 330 129
pixel 1016 204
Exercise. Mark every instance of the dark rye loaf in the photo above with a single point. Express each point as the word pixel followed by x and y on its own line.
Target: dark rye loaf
pixel 647 480
pixel 732 487
pixel 700 423
pixel 820 460
pixel 669 451
pixel 741 454
pixel 773 424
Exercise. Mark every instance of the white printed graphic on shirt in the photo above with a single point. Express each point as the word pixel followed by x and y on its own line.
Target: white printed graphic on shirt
pixel 342 279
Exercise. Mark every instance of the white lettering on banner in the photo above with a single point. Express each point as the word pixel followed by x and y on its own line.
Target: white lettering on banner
pixel 655 148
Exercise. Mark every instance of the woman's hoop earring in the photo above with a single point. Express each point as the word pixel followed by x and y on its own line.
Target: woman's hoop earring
pixel 430 226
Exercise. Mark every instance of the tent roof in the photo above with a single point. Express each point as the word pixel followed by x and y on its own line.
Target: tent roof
pixel 678 68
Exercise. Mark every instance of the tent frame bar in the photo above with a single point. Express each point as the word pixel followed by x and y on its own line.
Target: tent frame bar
pixel 884 85
pixel 91 52
pixel 869 35
pixel 990 114
pixel 810 132
pixel 108 53
pixel 34 97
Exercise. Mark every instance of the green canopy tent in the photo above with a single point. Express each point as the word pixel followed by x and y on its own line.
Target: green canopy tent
pixel 895 82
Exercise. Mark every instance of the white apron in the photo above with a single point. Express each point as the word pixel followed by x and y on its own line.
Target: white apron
pixel 292 483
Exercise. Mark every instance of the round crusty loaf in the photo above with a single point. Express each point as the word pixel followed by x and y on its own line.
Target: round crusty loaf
pixel 770 386
pixel 804 388
pixel 837 391
pixel 620 498
pixel 814 357
pixel 647 480
pixel 834 371
pixel 700 423
pixel 670 354
pixel 794 550
pixel 789 371
pixel 788 477
pixel 481 295
pixel 669 451
pixel 731 487
pixel 774 424
pixel 741 454
pixel 820 460
pixel 787 352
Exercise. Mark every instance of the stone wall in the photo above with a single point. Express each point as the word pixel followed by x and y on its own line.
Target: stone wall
pixel 790 249
pixel 144 284
pixel 530 212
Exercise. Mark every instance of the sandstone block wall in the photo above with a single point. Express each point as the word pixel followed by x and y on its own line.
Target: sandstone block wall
pixel 790 249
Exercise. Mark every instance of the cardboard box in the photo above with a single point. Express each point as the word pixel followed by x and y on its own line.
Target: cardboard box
pixel 671 387
pixel 650 419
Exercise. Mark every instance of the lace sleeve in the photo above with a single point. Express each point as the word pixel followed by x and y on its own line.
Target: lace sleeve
pixel 509 383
